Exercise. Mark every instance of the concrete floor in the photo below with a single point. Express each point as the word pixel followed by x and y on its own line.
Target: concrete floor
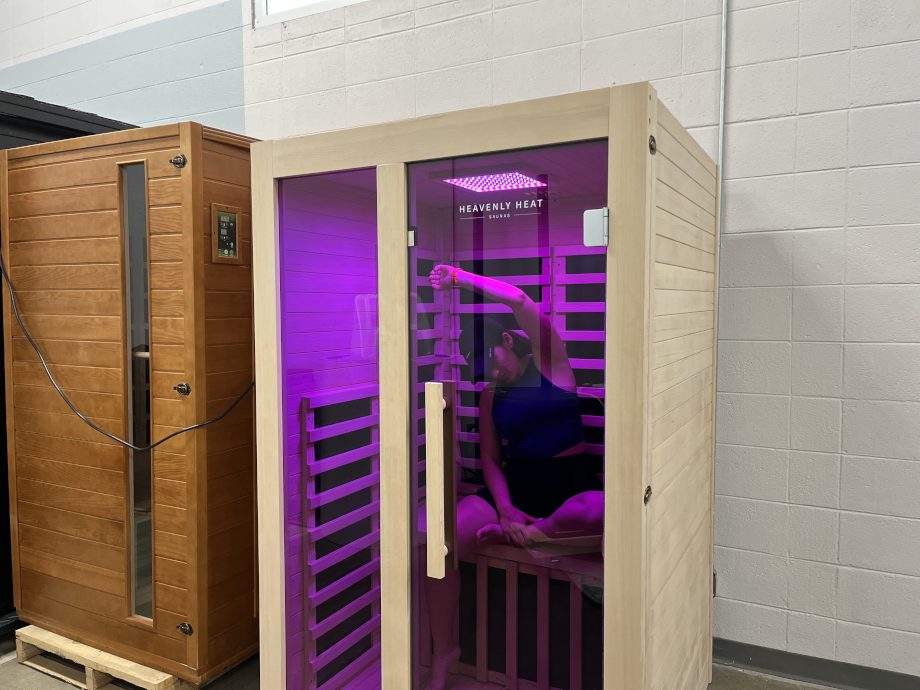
pixel 246 677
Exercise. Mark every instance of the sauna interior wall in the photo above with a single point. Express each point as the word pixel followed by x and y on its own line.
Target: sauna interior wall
pixel 231 581
pixel 62 241
pixel 328 249
pixel 683 264
pixel 565 278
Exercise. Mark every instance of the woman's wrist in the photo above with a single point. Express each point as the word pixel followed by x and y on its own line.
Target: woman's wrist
pixel 456 277
pixel 504 509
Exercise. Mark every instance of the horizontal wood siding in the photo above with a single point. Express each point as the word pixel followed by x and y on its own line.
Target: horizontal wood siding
pixel 681 410
pixel 231 582
pixel 63 243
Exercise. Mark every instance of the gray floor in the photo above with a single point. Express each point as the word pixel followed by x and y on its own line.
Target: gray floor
pixel 246 677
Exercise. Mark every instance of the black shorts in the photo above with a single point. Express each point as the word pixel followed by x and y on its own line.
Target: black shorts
pixel 539 487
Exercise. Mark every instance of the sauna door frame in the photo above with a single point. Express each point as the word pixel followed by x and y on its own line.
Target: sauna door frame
pixel 626 117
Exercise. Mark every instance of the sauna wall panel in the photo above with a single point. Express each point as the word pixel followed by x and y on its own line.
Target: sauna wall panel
pixel 682 302
pixel 227 330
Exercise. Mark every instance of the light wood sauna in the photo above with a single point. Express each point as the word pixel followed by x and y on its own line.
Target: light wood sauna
pixel 147 556
pixel 650 292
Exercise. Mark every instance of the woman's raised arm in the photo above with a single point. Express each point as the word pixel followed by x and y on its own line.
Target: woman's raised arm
pixel 538 327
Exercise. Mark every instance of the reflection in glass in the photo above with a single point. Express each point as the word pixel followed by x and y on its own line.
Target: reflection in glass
pixel 328 233
pixel 134 218
pixel 509 304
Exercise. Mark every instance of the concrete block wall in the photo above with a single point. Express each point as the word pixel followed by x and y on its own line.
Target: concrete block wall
pixel 818 541
pixel 29 29
pixel 818 431
pixel 144 61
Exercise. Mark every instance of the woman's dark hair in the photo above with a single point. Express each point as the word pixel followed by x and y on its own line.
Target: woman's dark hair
pixel 520 344
pixel 482 333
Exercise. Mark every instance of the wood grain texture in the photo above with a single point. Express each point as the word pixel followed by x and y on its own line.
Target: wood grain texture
pixel 393 317
pixel 62 238
pixel 628 270
pixel 682 383
pixel 226 338
pixel 269 418
pixel 572 117
pixel 8 390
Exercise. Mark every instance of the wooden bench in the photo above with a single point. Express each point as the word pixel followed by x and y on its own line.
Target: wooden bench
pixel 583 576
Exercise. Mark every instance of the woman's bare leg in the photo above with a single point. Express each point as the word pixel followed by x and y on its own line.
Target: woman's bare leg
pixel 444 595
pixel 580 519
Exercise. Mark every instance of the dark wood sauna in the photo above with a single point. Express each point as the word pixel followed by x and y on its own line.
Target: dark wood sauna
pixel 130 257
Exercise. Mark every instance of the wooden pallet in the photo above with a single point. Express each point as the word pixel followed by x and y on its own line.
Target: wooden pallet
pixel 39 648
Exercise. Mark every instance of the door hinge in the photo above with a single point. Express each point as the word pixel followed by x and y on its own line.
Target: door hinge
pixel 714 582
pixel 412 232
pixel 596 227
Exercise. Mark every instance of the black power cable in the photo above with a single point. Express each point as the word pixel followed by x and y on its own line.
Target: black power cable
pixel 93 425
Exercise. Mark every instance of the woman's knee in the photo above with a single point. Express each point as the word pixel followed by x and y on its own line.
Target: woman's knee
pixel 473 512
pixel 583 510
pixel 593 502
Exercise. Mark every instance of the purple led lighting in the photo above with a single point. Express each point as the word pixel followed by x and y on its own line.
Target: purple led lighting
pixel 497 182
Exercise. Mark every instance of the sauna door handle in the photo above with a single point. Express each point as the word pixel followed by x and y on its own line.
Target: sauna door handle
pixel 440 499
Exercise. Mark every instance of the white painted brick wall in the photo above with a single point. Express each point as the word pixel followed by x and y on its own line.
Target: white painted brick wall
pixel 750 472
pixel 812 587
pixel 814 479
pixel 31 29
pixel 818 427
pixel 811 635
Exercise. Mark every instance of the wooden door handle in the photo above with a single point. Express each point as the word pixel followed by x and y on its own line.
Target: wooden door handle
pixel 439 476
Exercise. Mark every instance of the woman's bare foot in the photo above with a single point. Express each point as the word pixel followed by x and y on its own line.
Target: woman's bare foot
pixel 440 667
pixel 491 534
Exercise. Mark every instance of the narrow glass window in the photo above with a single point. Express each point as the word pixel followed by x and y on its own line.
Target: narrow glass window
pixel 137 343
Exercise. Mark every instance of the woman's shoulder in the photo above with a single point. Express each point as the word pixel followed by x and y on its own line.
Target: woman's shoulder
pixel 558 373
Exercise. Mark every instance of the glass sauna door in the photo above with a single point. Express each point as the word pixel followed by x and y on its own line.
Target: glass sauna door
pixel 507 319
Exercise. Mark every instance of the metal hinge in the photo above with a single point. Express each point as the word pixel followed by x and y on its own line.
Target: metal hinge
pixel 412 232
pixel 596 227
pixel 714 583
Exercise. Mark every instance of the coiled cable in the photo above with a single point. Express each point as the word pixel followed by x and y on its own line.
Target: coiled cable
pixel 67 401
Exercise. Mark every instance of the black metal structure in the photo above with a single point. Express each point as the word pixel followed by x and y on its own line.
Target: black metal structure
pixel 25 121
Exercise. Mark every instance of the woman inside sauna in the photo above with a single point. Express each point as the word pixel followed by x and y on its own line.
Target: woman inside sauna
pixel 541 488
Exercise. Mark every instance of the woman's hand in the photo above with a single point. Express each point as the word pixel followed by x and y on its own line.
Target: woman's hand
pixel 514 524
pixel 441 276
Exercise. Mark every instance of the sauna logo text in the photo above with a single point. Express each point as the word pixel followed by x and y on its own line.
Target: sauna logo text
pixel 500 209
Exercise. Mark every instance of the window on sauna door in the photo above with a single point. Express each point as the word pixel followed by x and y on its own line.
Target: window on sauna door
pixel 137 368
pixel 507 303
